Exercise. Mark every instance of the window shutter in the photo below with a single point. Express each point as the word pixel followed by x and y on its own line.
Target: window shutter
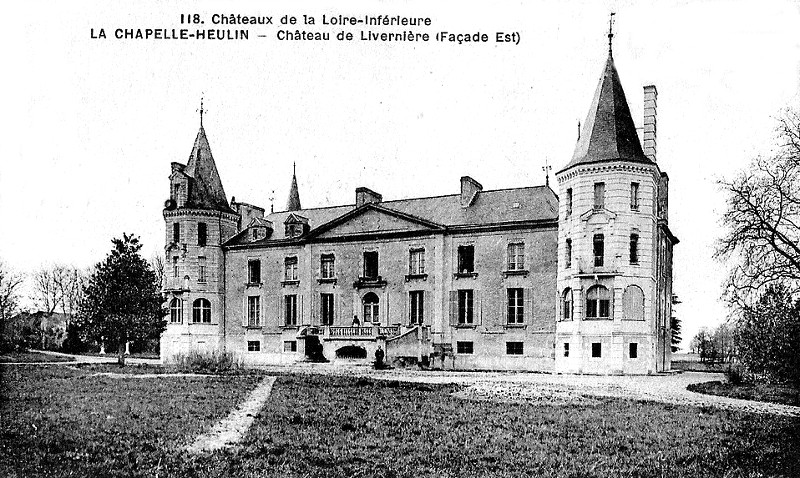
pixel 504 306
pixel 477 308
pixel 527 311
pixel 407 309
pixel 453 307
pixel 246 311
pixel 302 315
pixel 427 317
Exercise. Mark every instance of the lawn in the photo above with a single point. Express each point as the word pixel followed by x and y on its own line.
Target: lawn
pixel 345 426
pixel 29 357
pixel 762 392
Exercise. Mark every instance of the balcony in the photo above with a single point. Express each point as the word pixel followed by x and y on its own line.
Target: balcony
pixel 587 267
pixel 369 332
pixel 369 282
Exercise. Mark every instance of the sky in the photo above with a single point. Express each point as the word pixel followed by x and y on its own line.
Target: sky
pixel 91 125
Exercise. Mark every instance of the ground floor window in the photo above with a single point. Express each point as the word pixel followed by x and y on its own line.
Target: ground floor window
pixel 290 346
pixel 566 349
pixel 326 308
pixel 253 346
pixel 514 348
pixel 371 308
pixel 417 299
pixel 633 350
pixel 515 312
pixel 176 311
pixel 596 349
pixel 465 306
pixel 464 348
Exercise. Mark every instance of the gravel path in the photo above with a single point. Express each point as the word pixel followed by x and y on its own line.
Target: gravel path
pixel 231 429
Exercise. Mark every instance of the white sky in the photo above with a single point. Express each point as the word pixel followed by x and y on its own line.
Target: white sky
pixel 89 127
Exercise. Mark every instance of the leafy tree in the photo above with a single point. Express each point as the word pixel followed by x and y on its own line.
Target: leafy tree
pixel 675 327
pixel 762 240
pixel 121 299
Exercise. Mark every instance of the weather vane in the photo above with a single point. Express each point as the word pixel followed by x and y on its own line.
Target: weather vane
pixel 610 30
pixel 202 110
pixel 546 168
pixel 272 202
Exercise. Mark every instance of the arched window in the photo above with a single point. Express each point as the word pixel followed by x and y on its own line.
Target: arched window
pixel 201 311
pixel 175 311
pixel 598 303
pixel 633 303
pixel 371 308
pixel 566 304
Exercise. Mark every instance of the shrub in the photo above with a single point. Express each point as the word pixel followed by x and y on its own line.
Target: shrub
pixel 206 362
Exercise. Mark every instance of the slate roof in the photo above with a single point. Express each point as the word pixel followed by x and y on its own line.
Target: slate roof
pixel 205 191
pixel 608 133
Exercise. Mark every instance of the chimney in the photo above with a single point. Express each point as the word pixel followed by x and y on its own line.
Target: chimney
pixel 366 195
pixel 469 190
pixel 650 107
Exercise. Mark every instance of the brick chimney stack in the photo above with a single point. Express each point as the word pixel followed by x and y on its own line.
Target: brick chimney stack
pixel 469 190
pixel 650 112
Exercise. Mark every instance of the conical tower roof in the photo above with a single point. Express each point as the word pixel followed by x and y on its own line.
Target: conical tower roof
pixel 293 204
pixel 206 191
pixel 608 134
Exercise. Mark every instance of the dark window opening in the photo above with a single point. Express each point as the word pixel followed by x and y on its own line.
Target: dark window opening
pixel 327 309
pixel 569 201
pixel 599 195
pixel 566 349
pixel 202 234
pixel 598 248
pixel 596 349
pixel 466 259
pixel 514 348
pixel 290 302
pixel 634 248
pixel 371 265
pixel 635 196
pixel 253 346
pixel 176 232
pixel 201 311
pixel 633 350
pixel 464 348
pixel 417 299
pixel 598 303
pixel 569 253
pixel 516 308
pixel 465 306
pixel 254 271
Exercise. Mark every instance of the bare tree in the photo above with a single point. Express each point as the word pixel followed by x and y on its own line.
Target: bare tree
pixel 48 287
pixel 71 290
pixel 157 263
pixel 763 219
pixel 9 294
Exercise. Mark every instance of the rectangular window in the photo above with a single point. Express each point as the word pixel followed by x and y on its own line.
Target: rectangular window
pixel 416 262
pixel 326 309
pixel 175 266
pixel 516 308
pixel 254 271
pixel 569 253
pixel 254 311
pixel 598 247
pixel 514 348
pixel 516 257
pixel 417 302
pixel 566 349
pixel 253 346
pixel 201 269
pixel 290 346
pixel 176 232
pixel 633 350
pixel 327 266
pixel 596 349
pixel 569 201
pixel 290 269
pixel 202 234
pixel 465 306
pixel 634 248
pixel 371 265
pixel 466 259
pixel 635 196
pixel 464 348
pixel 599 195
pixel 290 314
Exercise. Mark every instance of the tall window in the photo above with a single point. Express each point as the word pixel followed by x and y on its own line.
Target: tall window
pixel 416 262
pixel 417 302
pixel 569 201
pixel 598 248
pixel 176 232
pixel 201 311
pixel 634 248
pixel 201 269
pixel 202 234
pixel 566 304
pixel 465 306
pixel 598 303
pixel 516 257
pixel 327 266
pixel 254 311
pixel 176 311
pixel 254 271
pixel 569 253
pixel 633 350
pixel 290 309
pixel 635 196
pixel 516 307
pixel 599 195
pixel 326 309
pixel 175 266
pixel 466 259
pixel 370 264
pixel 371 308
pixel 290 269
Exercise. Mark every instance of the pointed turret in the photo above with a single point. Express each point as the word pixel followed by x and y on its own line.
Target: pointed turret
pixel 293 204
pixel 608 134
pixel 206 191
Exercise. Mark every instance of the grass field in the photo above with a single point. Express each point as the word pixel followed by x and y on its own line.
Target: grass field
pixel 762 392
pixel 56 422
pixel 29 357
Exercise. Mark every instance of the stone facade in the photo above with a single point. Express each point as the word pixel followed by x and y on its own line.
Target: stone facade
pixel 512 279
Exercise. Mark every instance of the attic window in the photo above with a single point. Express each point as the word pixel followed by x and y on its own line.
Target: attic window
pixel 255 234
pixel 294 230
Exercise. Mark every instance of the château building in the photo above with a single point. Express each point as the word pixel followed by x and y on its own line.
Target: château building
pixel 577 280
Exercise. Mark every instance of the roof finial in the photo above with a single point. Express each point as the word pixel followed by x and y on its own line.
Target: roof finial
pixel 610 31
pixel 272 202
pixel 202 110
pixel 546 168
pixel 294 168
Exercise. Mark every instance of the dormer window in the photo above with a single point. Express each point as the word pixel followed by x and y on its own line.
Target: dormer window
pixel 255 234
pixel 295 226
